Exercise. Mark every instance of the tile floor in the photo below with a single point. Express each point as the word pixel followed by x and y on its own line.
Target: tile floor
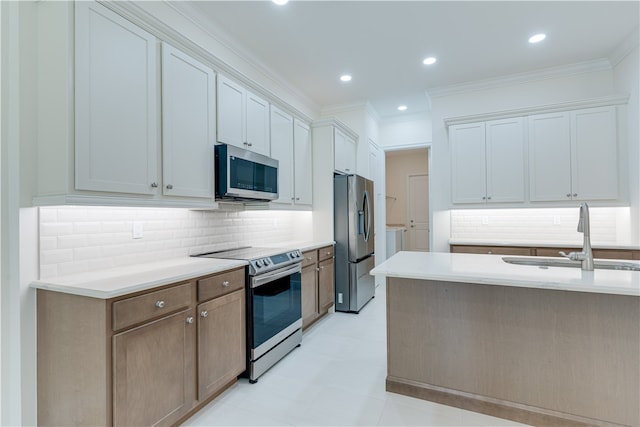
pixel 336 378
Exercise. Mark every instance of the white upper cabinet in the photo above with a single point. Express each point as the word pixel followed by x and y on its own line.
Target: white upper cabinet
pixel 303 165
pixel 291 146
pixel 505 156
pixel 243 117
pixel 488 162
pixel 116 105
pixel 573 155
pixel 282 150
pixel 344 152
pixel 188 125
pixel 468 163
pixel 594 154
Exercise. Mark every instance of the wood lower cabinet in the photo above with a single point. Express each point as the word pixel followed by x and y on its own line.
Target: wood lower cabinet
pixel 151 358
pixel 221 342
pixel 153 371
pixel 495 250
pixel 318 284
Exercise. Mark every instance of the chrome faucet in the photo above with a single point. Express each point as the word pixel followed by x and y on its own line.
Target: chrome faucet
pixel 584 227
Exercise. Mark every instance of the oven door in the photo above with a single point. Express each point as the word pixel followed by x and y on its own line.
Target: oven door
pixel 276 308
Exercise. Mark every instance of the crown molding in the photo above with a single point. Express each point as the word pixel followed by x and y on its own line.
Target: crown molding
pixel 624 48
pixel 529 76
pixel 548 108
pixel 143 18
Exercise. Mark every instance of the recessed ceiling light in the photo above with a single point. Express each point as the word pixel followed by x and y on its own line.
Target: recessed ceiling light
pixel 430 60
pixel 345 78
pixel 280 2
pixel 536 38
pixel 402 108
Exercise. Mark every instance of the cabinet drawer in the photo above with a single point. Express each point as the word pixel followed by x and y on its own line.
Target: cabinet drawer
pixel 310 257
pixel 135 310
pixel 220 284
pixel 325 253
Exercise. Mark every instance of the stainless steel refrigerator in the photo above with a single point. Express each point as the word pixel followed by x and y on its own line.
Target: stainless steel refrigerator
pixel 353 233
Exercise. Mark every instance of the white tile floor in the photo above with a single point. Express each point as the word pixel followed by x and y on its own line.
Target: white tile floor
pixel 336 378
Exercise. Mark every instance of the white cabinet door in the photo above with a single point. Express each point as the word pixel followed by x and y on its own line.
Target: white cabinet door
pixel 468 166
pixel 230 112
pixel 243 117
pixel 594 154
pixel 116 121
pixel 303 164
pixel 188 125
pixel 550 157
pixel 505 160
pixel 257 124
pixel 282 150
pixel 344 152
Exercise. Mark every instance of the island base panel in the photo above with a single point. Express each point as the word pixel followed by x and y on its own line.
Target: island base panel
pixel 504 350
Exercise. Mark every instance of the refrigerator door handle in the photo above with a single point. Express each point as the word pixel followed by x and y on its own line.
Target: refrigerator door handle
pixel 361 224
pixel 367 216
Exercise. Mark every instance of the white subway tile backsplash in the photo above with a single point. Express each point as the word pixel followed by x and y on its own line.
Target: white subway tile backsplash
pixel 552 225
pixel 78 239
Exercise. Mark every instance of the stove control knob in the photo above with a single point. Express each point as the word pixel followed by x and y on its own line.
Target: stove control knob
pixel 258 263
pixel 266 261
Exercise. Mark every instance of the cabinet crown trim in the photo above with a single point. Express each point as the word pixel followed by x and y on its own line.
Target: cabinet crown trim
pixel 337 123
pixel 548 108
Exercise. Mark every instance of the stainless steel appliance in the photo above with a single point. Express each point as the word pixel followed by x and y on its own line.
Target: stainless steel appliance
pixel 353 233
pixel 274 313
pixel 243 175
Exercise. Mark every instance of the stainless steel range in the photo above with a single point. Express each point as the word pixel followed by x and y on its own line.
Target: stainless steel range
pixel 274 306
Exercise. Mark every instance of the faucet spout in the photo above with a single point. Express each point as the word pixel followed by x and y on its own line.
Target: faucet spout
pixel 586 255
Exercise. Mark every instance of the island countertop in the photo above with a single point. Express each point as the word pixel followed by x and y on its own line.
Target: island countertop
pixel 492 270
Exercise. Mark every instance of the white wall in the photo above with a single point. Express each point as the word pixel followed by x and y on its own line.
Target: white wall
pixel 551 90
pixel 402 131
pixel 627 80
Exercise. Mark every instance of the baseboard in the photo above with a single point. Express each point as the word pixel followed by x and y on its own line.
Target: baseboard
pixel 489 406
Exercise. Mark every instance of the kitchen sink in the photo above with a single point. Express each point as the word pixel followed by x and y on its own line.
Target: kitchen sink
pixel 562 262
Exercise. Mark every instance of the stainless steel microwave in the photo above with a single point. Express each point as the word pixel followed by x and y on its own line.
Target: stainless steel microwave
pixel 243 175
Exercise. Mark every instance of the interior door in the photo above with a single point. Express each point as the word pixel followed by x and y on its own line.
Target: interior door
pixel 418 210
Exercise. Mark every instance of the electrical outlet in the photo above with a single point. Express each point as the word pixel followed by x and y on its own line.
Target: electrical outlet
pixel 137 231
pixel 556 220
pixel 339 297
pixel 485 220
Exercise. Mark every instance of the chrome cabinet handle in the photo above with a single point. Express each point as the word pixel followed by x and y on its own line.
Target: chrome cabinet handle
pixel 297 198
pixel 204 314
pixel 317 269
pixel 189 319
pixel 328 253
pixel 169 187
pixel 160 304
pixel 568 194
pixel 154 185
pixel 575 194
pixel 225 283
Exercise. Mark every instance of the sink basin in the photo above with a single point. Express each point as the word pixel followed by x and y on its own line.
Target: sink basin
pixel 562 262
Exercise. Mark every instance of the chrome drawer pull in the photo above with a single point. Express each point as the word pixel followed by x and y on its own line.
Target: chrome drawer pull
pixel 160 304
pixel 204 314
pixel 189 319
pixel 225 283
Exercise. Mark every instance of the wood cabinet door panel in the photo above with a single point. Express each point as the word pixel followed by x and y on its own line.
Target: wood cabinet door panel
pixel 153 372
pixel 326 284
pixel 310 257
pixel 309 283
pixel 221 342
pixel 325 253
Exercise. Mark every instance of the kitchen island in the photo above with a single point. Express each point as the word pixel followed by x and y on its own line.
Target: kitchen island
pixel 543 346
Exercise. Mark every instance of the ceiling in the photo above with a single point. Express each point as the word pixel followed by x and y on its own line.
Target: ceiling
pixel 309 44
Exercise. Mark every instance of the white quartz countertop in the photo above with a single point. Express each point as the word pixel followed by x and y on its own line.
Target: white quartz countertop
pixel 492 270
pixel 121 281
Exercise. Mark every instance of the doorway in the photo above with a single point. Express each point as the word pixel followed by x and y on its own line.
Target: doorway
pixel 407 195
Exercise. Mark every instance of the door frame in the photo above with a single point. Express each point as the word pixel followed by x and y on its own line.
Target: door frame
pixel 429 147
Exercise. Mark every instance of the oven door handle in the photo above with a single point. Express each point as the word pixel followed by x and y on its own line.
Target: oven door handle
pixel 258 281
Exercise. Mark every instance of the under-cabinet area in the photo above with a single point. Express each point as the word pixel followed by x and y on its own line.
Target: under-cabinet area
pixel 144 358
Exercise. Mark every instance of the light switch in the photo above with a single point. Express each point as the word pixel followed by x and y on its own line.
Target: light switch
pixel 137 230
